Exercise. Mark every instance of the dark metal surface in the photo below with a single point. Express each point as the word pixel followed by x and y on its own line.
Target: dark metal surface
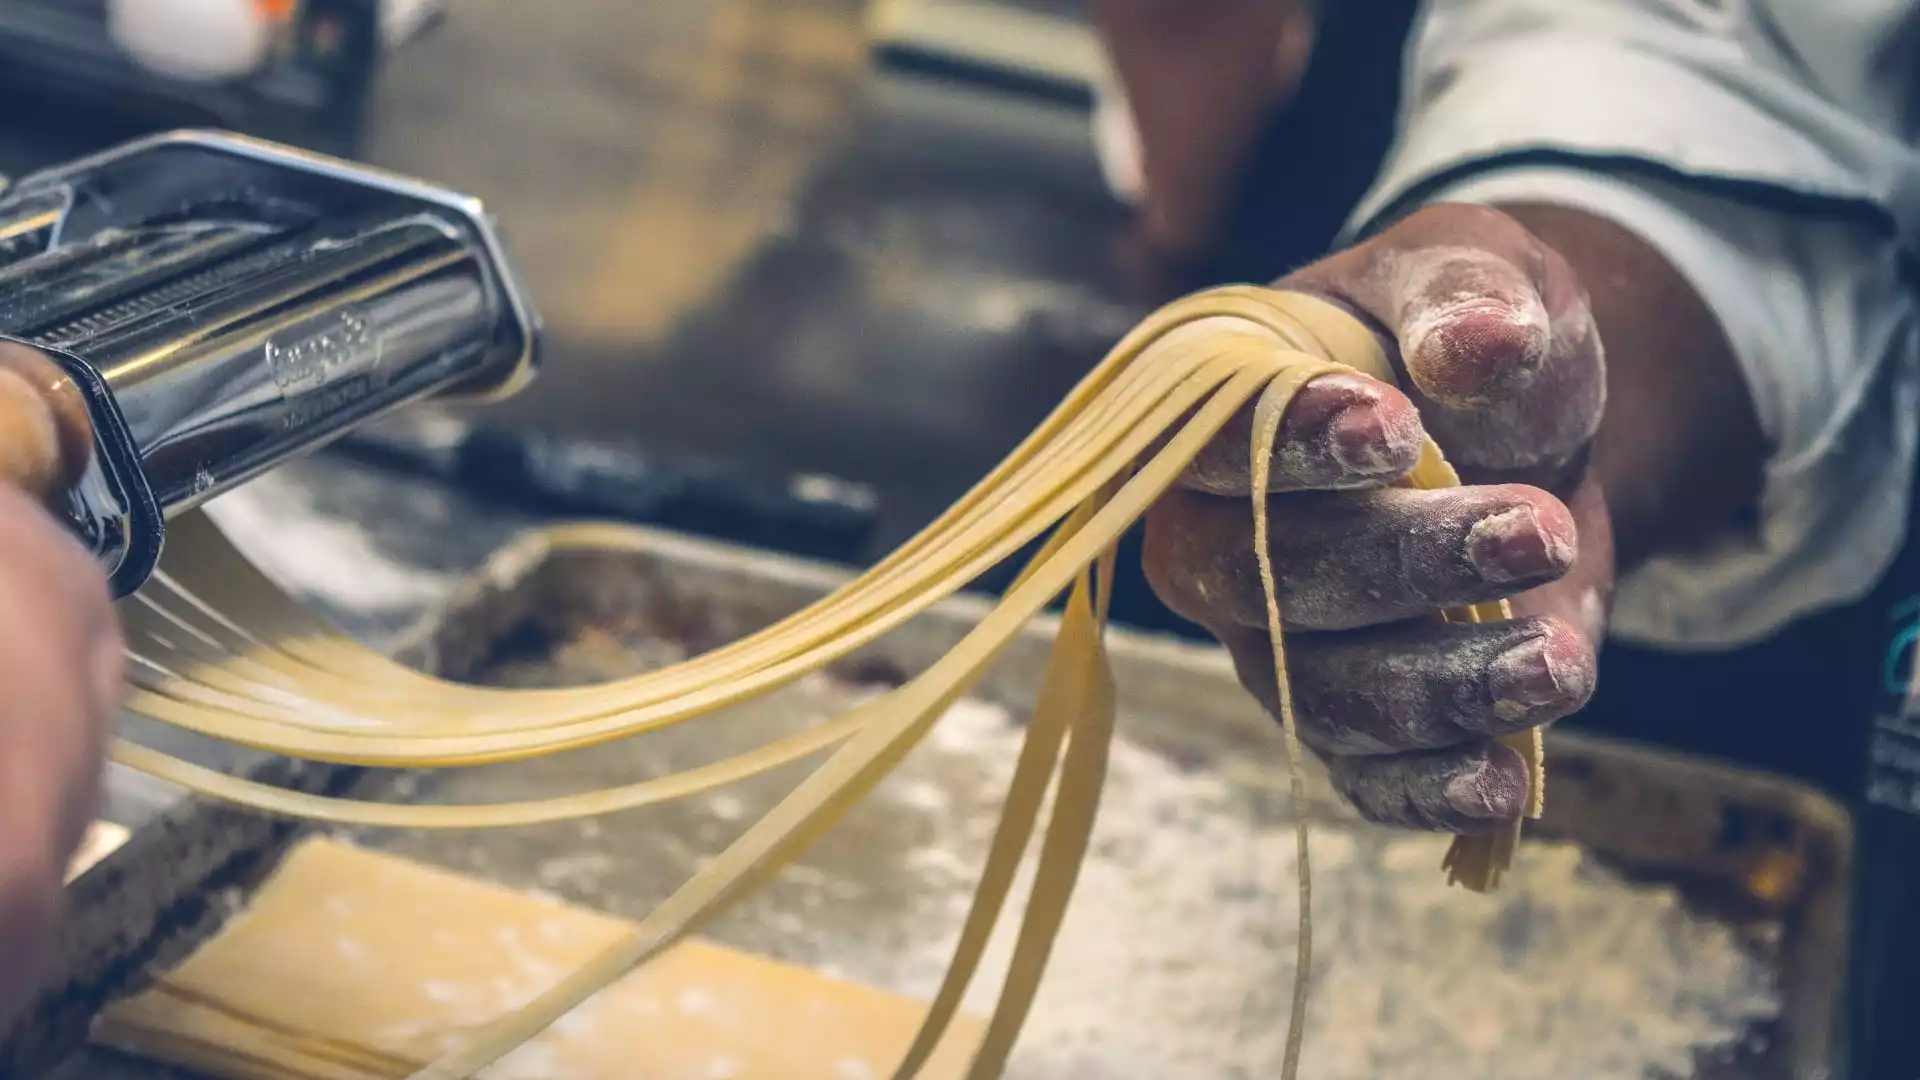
pixel 805 514
pixel 60 53
pixel 750 248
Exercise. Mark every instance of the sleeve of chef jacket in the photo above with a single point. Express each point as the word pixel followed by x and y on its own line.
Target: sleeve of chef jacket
pixel 1768 154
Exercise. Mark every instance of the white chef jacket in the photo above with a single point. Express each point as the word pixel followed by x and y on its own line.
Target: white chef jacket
pixel 1768 149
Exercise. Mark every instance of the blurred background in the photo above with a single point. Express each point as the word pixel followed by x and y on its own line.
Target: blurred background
pixel 808 267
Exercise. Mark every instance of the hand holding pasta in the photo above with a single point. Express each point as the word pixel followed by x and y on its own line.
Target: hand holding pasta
pixel 217 649
pixel 1492 336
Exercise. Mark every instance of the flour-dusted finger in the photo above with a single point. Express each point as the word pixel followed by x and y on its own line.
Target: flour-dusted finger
pixel 1422 686
pixel 1474 789
pixel 1494 332
pixel 1341 432
pixel 1344 560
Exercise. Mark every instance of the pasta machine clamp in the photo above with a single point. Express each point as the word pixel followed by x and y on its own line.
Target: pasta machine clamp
pixel 189 310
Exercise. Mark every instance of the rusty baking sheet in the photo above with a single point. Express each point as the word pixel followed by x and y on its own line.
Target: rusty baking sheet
pixel 1671 919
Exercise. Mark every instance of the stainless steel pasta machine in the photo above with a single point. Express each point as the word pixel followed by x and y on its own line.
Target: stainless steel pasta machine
pixel 199 307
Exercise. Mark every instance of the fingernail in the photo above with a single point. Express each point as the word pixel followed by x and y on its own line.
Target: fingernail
pixel 1361 443
pixel 1529 676
pixel 1484 793
pixel 1511 546
pixel 1468 353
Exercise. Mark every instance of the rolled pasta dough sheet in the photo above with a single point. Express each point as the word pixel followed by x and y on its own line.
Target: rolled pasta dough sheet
pixel 356 965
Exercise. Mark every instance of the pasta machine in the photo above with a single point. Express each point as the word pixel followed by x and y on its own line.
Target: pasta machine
pixel 202 306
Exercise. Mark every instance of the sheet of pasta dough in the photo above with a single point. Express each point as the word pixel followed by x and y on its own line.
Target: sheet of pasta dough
pixel 355 965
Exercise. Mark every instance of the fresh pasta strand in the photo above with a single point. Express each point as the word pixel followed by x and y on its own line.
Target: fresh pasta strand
pixel 219 650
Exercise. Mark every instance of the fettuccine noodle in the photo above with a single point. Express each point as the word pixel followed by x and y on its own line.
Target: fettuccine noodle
pixel 217 649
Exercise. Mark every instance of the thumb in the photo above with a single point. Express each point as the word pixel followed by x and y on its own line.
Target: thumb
pixel 1492 331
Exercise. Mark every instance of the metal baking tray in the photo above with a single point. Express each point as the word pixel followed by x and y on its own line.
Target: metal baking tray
pixel 1672 919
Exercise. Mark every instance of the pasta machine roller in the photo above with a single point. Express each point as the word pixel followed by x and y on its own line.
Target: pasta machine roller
pixel 195 307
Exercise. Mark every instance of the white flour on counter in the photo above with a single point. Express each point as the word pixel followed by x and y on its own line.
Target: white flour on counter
pixel 1176 959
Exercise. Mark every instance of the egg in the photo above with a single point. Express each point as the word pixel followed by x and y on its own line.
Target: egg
pixel 197 40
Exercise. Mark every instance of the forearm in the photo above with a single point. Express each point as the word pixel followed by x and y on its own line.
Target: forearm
pixel 1680 449
pixel 1200 76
